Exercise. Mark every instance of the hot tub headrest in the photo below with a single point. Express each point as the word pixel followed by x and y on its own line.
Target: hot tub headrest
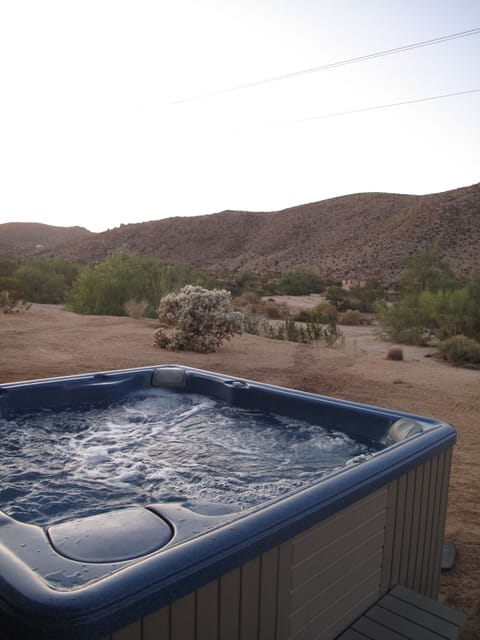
pixel 404 428
pixel 169 377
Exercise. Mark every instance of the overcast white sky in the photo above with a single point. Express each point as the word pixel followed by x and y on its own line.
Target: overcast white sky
pixel 89 134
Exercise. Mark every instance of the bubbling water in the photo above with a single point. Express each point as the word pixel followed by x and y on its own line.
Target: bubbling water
pixel 159 446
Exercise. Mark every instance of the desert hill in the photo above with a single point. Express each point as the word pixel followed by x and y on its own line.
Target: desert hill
pixel 32 237
pixel 362 235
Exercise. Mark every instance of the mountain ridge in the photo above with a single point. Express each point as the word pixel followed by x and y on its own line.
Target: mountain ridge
pixel 358 235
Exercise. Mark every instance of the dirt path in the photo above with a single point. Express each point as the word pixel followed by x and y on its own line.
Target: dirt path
pixel 48 341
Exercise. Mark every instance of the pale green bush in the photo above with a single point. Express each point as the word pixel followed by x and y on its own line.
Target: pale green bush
pixel 304 332
pixel 460 350
pixel 201 320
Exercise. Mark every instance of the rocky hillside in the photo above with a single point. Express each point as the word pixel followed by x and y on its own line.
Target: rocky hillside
pixel 363 235
pixel 27 238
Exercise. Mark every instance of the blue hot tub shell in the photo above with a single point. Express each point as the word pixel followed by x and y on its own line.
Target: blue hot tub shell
pixel 123 569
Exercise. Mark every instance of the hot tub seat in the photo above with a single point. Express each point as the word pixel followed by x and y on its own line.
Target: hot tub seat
pixel 111 537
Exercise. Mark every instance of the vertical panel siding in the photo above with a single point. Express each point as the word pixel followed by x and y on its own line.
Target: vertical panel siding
pixel 229 608
pixel 207 611
pixel 182 618
pixel 335 565
pixel 417 485
pixel 250 599
pixel 315 585
pixel 268 595
pixel 284 587
pixel 132 632
pixel 156 626
pixel 440 524
pixel 415 525
pixel 424 489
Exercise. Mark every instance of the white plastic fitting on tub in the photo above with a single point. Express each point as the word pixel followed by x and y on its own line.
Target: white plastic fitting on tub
pixel 404 428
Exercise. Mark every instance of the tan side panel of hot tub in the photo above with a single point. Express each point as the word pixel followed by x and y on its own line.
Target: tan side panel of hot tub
pixel 317 580
pixel 415 527
pixel 251 602
pixel 336 569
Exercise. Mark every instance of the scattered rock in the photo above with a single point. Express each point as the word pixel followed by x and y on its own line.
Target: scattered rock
pixel 397 381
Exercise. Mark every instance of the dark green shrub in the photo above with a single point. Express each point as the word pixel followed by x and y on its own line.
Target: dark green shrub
pixel 460 350
pixel 300 283
pixel 46 280
pixel 427 270
pixel 125 278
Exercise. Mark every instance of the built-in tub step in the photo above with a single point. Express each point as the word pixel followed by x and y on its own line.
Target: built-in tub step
pixel 403 614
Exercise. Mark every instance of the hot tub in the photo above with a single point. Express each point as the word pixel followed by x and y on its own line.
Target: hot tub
pixel 304 562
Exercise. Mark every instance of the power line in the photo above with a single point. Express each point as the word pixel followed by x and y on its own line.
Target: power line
pixel 332 65
pixel 363 110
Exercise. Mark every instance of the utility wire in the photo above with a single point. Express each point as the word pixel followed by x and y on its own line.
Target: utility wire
pixel 352 111
pixel 332 65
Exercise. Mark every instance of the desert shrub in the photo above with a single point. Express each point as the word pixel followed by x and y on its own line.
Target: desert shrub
pixel 289 330
pixel 324 312
pixel 251 324
pixel 273 311
pixel 432 302
pixel 402 323
pixel 245 299
pixel 251 303
pixel 460 350
pixel 427 270
pixel 416 318
pixel 360 298
pixel 299 283
pixel 304 332
pixel 303 315
pixel 45 280
pixel 351 317
pixel 202 320
pixel 332 335
pixel 10 303
pixel 124 277
pixel 135 308
pixel 241 282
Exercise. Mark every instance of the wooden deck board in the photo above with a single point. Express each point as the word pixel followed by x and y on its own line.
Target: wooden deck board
pixel 409 614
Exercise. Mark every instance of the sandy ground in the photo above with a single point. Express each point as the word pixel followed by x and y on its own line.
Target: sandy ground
pixel 48 341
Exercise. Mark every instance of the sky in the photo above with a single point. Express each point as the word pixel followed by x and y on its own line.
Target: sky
pixel 106 117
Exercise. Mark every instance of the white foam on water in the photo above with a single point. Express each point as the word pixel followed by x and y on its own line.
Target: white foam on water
pixel 159 446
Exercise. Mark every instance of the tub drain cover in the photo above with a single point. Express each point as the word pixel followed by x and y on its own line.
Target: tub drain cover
pixel 111 537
